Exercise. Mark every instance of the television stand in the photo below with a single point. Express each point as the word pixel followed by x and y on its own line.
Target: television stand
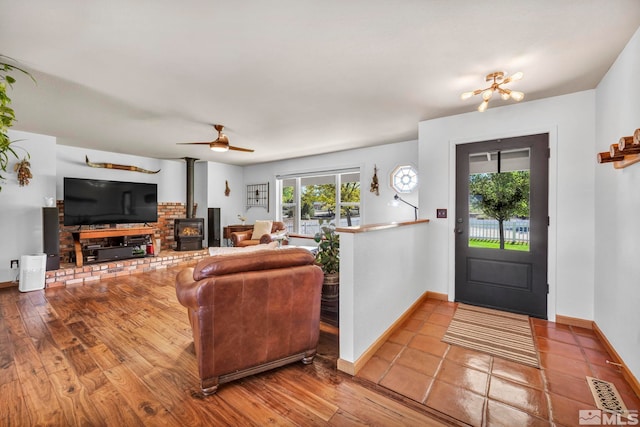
pixel 104 233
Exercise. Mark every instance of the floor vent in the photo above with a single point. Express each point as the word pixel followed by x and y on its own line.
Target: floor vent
pixel 606 396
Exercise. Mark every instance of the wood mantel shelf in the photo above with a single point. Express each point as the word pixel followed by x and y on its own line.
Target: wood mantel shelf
pixel 103 233
pixel 377 227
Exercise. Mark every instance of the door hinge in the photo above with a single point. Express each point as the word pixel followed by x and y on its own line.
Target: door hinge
pixel 547 288
pixel 548 221
pixel 548 152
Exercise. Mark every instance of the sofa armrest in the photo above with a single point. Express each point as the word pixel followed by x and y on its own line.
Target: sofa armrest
pixel 238 236
pixel 272 237
pixel 186 288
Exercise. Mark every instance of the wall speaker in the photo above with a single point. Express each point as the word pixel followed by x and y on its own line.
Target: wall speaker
pixel 51 237
pixel 214 232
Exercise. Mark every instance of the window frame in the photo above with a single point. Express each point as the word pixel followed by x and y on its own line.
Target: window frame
pixel 297 195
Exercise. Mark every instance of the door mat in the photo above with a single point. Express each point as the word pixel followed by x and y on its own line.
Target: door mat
pixel 606 396
pixel 498 333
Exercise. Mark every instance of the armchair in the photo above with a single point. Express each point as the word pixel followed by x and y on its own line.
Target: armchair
pixel 247 237
pixel 251 311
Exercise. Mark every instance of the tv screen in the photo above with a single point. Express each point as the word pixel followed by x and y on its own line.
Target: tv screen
pixel 92 201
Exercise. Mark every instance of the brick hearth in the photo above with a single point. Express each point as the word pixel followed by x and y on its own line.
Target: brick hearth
pixel 70 275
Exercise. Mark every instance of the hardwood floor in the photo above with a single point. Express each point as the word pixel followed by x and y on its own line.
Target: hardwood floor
pixel 120 353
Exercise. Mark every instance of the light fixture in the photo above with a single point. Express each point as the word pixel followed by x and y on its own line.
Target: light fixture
pixel 219 147
pixel 497 79
pixel 397 199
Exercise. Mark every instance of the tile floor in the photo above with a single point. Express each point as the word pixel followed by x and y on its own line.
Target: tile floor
pixel 482 390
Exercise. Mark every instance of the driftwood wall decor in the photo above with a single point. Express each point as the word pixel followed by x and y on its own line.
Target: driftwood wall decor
pixel 119 167
pixel 625 153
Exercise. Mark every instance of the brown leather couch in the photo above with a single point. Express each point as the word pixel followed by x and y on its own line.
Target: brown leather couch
pixel 243 238
pixel 251 312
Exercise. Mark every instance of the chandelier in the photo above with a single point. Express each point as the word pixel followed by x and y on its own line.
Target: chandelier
pixel 497 79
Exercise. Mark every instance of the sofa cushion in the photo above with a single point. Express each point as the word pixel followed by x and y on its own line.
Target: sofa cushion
pixel 260 228
pixel 263 259
pixel 224 250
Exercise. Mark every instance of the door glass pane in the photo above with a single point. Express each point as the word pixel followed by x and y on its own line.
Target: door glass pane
pixel 499 200
pixel 318 203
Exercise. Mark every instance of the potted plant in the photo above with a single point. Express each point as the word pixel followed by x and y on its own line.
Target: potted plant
pixel 7 116
pixel 328 257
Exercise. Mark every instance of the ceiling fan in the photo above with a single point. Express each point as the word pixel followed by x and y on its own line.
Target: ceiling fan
pixel 221 144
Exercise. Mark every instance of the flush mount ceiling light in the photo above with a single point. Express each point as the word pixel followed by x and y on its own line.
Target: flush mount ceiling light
pixel 497 79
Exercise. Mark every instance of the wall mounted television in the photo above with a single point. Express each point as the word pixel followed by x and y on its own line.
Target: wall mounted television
pixel 93 201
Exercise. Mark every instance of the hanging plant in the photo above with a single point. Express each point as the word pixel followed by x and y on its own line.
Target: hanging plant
pixel 22 168
pixel 7 115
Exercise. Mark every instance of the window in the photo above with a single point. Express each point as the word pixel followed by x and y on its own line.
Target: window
pixel 309 201
pixel 404 179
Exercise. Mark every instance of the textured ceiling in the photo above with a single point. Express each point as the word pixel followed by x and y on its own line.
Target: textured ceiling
pixel 289 78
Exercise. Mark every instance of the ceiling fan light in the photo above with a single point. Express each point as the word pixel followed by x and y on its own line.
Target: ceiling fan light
pixel 483 106
pixel 218 147
pixel 487 94
pixel 518 96
pixel 505 95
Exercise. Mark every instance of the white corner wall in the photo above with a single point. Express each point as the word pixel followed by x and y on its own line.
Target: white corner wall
pixel 570 122
pixel 232 205
pixel 21 213
pixel 617 206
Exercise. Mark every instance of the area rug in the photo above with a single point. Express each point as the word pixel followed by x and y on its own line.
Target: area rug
pixel 498 333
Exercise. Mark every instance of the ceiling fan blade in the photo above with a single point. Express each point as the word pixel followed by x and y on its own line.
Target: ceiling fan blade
pixel 194 143
pixel 248 150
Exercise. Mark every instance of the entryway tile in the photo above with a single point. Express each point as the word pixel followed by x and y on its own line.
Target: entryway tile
pixel 499 414
pixel 457 402
pixel 407 382
pixel 530 400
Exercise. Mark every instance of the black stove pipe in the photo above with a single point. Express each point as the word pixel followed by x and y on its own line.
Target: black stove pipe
pixel 190 178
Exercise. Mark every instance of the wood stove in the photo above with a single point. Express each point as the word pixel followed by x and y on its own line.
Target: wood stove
pixel 188 233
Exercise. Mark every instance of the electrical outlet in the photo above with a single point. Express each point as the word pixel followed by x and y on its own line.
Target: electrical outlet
pixel 15 263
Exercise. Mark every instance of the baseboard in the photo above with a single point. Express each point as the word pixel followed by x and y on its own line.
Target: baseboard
pixel 574 321
pixel 437 296
pixel 352 368
pixel 590 324
pixel 8 284
pixel 626 372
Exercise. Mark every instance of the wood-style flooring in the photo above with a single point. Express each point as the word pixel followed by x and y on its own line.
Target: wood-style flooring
pixel 120 353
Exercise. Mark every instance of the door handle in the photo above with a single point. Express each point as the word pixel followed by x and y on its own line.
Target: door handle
pixel 457 230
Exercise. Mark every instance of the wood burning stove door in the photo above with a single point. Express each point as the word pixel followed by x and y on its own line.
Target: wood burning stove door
pixel 189 233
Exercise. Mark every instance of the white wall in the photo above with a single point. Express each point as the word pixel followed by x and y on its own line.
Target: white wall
pixel 230 206
pixel 375 208
pixel 21 213
pixel 617 207
pixel 381 276
pixel 570 121
pixel 171 179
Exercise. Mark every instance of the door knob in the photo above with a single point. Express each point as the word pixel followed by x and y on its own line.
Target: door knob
pixel 457 230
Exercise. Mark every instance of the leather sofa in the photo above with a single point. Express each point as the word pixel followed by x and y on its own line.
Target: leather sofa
pixel 243 238
pixel 251 312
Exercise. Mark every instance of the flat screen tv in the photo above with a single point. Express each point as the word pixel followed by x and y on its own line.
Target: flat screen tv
pixel 92 201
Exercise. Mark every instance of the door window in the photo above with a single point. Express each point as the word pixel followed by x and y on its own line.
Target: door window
pixel 499 200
